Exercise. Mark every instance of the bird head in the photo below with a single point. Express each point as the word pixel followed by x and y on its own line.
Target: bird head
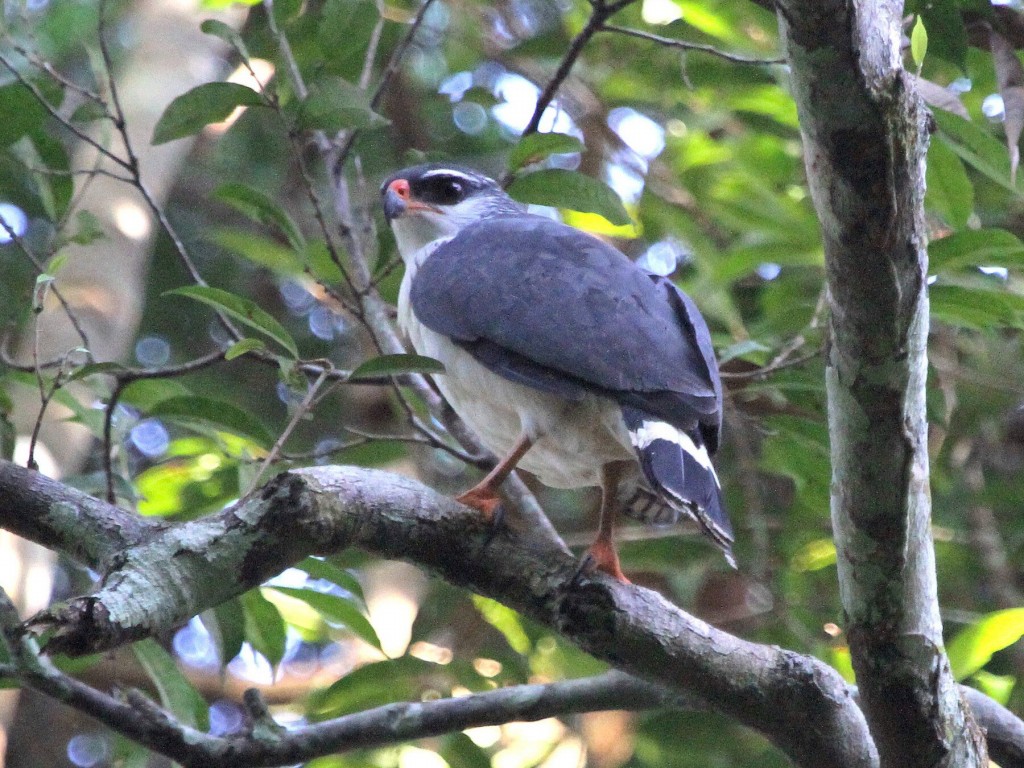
pixel 426 203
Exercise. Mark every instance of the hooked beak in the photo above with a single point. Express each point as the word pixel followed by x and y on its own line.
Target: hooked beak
pixel 398 201
pixel 394 204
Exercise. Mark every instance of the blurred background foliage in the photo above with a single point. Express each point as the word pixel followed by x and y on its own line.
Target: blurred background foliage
pixel 703 150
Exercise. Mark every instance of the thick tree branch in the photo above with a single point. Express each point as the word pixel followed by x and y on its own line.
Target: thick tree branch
pixel 139 719
pixel 87 529
pixel 799 703
pixel 865 137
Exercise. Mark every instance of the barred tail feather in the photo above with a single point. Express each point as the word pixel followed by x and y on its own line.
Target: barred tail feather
pixel 678 468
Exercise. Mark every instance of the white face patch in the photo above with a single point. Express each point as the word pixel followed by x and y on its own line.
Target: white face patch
pixel 418 228
pixel 414 232
pixel 650 431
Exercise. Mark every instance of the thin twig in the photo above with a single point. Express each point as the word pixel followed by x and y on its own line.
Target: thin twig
pixel 371 48
pixel 132 165
pixel 600 13
pixel 123 379
pixel 52 111
pixel 784 358
pixel 72 172
pixel 64 82
pixel 300 411
pixel 688 46
pixel 19 241
pixel 760 374
pixel 108 441
pixel 345 146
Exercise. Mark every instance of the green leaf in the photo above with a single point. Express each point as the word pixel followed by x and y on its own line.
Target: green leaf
pixel 177 695
pixel 264 627
pixel 55 189
pixel 259 250
pixel 395 365
pixel 569 189
pixel 949 193
pixel 972 648
pixel 336 610
pixel 506 621
pixel 998 687
pixel 88 111
pixel 974 248
pixel 218 414
pixel 334 104
pixel 944 21
pixel 241 309
pixel 319 568
pixel 459 751
pixel 322 265
pixel 226 33
pixel 226 624
pixel 814 555
pixel 918 42
pixel 260 207
pixel 197 478
pixel 371 685
pixel 92 369
pixel 976 147
pixel 976 306
pixel 538 146
pixel 20 113
pixel 207 103
pixel 751 347
pixel 242 346
pixel 343 35
pixel 145 393
pixel 89 229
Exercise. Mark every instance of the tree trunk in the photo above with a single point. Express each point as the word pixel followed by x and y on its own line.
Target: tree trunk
pixel 865 137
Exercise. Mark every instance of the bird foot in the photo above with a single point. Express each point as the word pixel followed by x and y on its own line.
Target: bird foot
pixel 601 557
pixel 484 500
pixel 488 505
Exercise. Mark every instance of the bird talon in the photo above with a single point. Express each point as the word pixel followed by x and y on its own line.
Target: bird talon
pixel 484 501
pixel 496 523
pixel 584 568
pixel 602 557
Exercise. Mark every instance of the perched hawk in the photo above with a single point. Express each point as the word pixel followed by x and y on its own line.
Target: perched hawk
pixel 566 359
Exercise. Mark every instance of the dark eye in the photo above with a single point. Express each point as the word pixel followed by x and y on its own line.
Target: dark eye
pixel 441 190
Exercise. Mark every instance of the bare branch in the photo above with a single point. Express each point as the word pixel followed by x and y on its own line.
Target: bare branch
pixel 600 13
pixel 684 45
pixel 86 528
pixel 141 720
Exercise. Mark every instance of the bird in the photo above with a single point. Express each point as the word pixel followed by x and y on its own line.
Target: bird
pixel 566 358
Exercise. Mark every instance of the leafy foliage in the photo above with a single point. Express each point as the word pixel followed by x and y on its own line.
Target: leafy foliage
pixel 684 158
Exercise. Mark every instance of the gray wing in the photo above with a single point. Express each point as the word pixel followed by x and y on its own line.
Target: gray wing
pixel 547 305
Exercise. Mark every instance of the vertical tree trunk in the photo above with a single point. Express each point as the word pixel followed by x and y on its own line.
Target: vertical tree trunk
pixel 865 137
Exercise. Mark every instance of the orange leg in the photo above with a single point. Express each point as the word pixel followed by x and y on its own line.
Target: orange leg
pixel 484 495
pixel 602 554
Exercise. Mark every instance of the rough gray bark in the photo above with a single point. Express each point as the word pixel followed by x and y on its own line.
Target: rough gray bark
pixel 172 572
pixel 865 136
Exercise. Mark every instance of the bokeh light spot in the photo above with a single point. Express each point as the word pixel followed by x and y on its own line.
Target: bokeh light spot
pixel 152 351
pixel 150 437
pixel 14 221
pixel 87 750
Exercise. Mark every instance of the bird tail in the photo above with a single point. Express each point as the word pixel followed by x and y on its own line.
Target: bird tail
pixel 678 469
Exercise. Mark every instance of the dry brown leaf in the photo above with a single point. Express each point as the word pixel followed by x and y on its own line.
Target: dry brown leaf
pixel 936 96
pixel 1010 76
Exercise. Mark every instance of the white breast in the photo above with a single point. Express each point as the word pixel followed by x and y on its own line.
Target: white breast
pixel 573 438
